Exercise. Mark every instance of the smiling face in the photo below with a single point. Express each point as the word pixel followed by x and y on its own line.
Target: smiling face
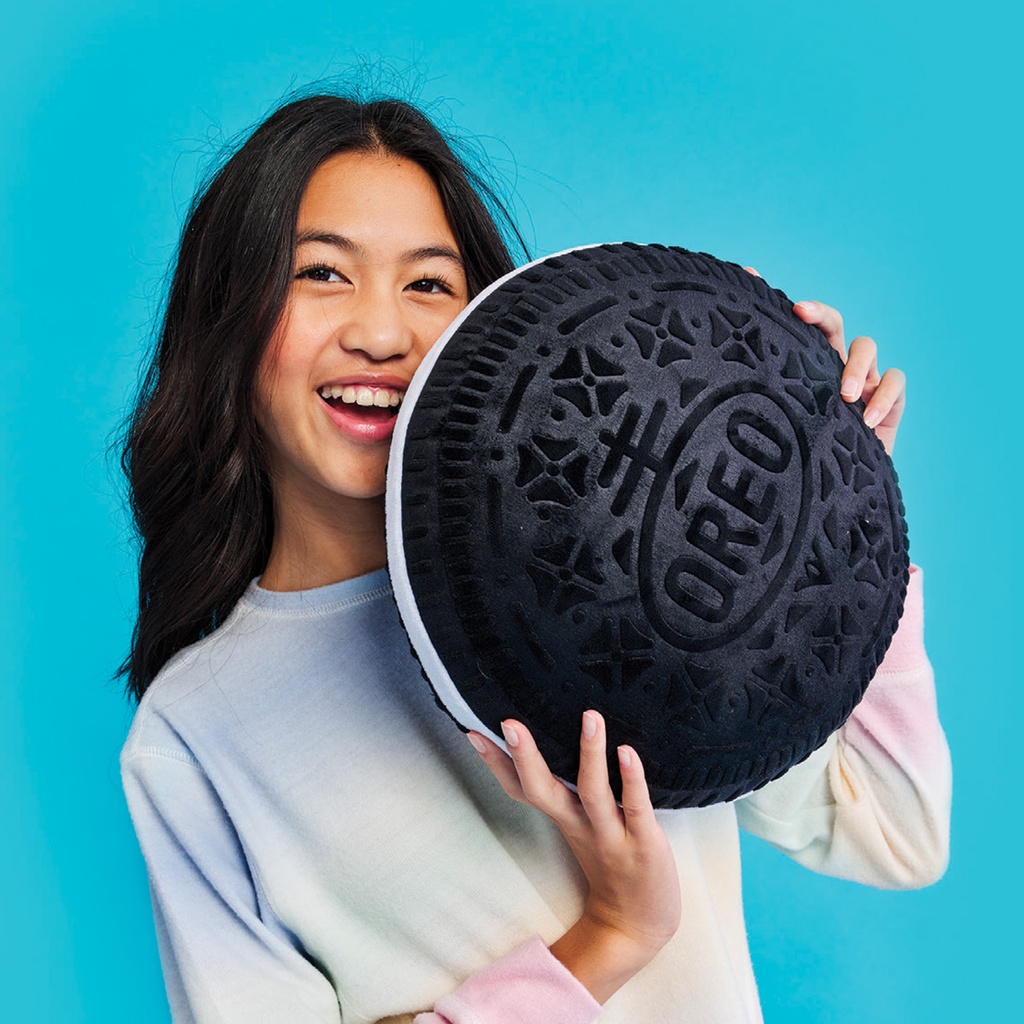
pixel 377 278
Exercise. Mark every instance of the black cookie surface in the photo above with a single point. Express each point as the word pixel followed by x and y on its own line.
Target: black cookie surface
pixel 628 482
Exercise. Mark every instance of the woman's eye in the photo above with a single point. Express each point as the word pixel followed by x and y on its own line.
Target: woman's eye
pixel 431 285
pixel 320 272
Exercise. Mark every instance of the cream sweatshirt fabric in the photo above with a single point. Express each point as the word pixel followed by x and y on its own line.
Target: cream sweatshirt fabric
pixel 323 844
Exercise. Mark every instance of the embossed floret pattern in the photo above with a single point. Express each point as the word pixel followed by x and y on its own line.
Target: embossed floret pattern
pixel 630 483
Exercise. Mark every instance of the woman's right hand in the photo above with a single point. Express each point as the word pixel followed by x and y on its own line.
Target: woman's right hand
pixel 633 903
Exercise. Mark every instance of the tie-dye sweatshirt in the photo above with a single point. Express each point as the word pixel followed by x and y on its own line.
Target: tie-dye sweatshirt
pixel 323 844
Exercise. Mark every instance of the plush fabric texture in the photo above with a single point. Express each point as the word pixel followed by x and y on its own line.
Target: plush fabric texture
pixel 626 480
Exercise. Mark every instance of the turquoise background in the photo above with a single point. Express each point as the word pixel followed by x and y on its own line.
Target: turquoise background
pixel 863 154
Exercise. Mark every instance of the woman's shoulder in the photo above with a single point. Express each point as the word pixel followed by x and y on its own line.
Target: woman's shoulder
pixel 189 687
pixel 254 665
pixel 175 697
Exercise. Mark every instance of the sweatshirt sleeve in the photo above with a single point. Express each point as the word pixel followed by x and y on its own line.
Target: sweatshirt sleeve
pixel 872 805
pixel 222 963
pixel 225 962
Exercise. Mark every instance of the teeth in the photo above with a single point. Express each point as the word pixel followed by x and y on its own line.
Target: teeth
pixel 382 398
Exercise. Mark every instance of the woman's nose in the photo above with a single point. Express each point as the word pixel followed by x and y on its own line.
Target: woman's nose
pixel 378 328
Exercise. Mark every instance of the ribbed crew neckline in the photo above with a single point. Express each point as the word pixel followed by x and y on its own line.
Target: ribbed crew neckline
pixel 373 584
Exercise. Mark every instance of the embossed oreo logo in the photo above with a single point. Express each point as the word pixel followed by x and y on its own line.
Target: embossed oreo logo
pixel 724 516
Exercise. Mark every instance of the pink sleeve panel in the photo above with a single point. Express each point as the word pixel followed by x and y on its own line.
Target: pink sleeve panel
pixel 891 776
pixel 895 752
pixel 527 986
pixel 906 651
pixel 872 804
pixel 898 713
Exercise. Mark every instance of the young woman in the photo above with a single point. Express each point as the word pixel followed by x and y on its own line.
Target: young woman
pixel 322 843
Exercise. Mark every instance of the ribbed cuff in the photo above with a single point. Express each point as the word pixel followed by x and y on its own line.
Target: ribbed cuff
pixel 527 986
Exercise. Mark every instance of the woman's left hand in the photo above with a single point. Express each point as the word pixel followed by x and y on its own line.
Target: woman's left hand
pixel 633 903
pixel 885 395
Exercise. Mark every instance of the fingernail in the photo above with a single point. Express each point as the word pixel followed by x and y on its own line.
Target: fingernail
pixel 625 757
pixel 872 417
pixel 511 736
pixel 478 743
pixel 849 388
pixel 808 307
pixel 589 725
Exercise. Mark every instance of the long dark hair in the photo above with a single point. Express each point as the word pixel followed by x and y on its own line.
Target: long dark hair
pixel 193 454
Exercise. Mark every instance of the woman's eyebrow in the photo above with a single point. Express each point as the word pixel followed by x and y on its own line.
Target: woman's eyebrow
pixel 329 238
pixel 347 245
pixel 428 252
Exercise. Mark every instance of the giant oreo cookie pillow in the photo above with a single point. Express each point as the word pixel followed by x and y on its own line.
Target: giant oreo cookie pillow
pixel 624 479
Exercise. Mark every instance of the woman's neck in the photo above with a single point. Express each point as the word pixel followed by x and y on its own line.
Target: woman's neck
pixel 316 547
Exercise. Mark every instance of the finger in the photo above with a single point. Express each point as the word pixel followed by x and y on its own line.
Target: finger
pixel 827 319
pixel 888 400
pixel 500 764
pixel 751 270
pixel 592 785
pixel 541 789
pixel 861 368
pixel 636 799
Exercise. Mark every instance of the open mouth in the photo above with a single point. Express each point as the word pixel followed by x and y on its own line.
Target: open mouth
pixel 362 400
